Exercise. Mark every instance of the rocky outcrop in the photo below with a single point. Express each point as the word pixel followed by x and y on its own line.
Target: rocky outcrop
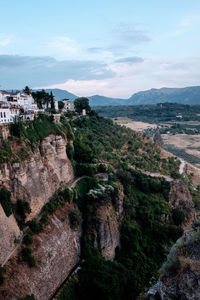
pixel 9 233
pixel 56 250
pixel 106 223
pixel 37 178
pixel 107 230
pixel 34 180
pixel 180 277
pixel 180 197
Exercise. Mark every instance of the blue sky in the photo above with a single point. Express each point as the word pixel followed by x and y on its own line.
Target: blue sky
pixel 112 48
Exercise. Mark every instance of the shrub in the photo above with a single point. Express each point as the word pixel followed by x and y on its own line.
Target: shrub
pixel 1 279
pixel 2 271
pixel 29 297
pixel 28 239
pixel 75 218
pixel 35 226
pixel 23 207
pixel 68 195
pixel 28 257
pixel 178 216
pixel 5 201
pixel 70 150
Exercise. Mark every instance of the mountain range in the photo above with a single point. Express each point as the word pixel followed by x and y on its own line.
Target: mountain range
pixel 187 95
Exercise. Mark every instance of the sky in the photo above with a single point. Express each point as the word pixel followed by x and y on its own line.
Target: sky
pixel 110 48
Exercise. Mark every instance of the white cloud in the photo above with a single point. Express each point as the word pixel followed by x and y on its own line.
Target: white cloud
pixel 64 44
pixel 4 41
pixel 131 78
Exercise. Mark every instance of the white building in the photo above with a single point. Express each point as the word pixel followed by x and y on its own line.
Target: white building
pixel 5 115
pixel 68 105
pixel 16 104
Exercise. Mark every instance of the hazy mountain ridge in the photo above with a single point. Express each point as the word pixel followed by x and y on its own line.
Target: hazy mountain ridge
pixel 187 95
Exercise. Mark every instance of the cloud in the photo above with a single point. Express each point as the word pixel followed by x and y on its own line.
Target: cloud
pixel 18 71
pixel 130 33
pixel 4 41
pixel 132 60
pixel 119 78
pixel 63 43
pixel 131 78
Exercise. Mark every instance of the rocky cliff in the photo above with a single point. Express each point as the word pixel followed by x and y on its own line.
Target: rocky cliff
pixel 180 275
pixel 34 180
pixel 56 250
pixel 180 197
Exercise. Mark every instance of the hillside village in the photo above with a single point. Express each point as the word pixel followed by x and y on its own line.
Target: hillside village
pixel 23 105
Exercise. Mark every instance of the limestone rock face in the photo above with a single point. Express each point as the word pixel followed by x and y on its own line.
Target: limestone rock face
pixel 34 180
pixel 56 250
pixel 180 278
pixel 37 178
pixel 107 230
pixel 9 232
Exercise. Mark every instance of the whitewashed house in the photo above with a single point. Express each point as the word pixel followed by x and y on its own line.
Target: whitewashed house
pixel 16 104
pixel 5 115
pixel 68 105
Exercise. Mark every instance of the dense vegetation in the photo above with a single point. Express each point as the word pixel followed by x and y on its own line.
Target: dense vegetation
pixel 100 140
pixel 152 113
pixel 145 236
pixel 146 232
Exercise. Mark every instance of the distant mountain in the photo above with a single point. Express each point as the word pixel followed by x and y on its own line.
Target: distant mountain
pixel 98 100
pixel 62 94
pixel 188 95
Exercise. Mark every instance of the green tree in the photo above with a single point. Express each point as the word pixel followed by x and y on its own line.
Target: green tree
pixel 61 104
pixel 52 100
pixel 82 103
pixel 5 201
pixel 27 90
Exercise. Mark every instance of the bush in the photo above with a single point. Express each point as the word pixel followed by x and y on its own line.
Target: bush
pixel 5 201
pixel 68 195
pixel 2 271
pixel 23 207
pixel 28 239
pixel 29 297
pixel 28 257
pixel 70 150
pixel 178 216
pixel 36 227
pixel 75 218
pixel 1 279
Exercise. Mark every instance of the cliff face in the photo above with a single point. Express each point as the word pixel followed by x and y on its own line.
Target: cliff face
pixel 180 278
pixel 106 228
pixel 37 178
pixel 9 232
pixel 56 250
pixel 180 274
pixel 34 180
pixel 180 197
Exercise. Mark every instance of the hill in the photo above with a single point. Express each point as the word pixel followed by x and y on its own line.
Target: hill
pixel 188 95
pixel 98 100
pixel 62 94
